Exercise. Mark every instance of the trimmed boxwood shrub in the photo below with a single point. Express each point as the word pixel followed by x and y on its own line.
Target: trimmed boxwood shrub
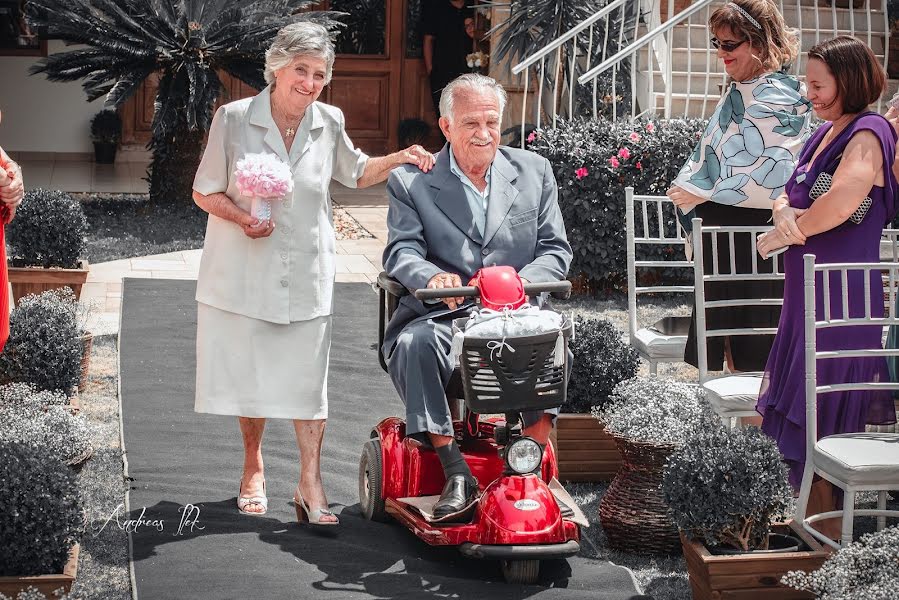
pixel 593 161
pixel 106 127
pixel 601 360
pixel 44 346
pixel 48 231
pixel 725 487
pixel 42 516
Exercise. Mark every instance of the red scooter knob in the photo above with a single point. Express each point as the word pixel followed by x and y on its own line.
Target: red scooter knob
pixel 500 288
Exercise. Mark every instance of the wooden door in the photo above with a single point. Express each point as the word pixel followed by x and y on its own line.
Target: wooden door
pixel 378 79
pixel 366 82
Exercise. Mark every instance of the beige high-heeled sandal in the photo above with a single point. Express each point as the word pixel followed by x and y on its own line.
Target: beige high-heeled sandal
pixel 313 517
pixel 244 501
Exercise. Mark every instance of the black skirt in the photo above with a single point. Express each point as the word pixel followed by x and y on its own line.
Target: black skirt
pixel 749 353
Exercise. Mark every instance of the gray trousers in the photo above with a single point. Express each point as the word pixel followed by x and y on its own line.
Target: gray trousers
pixel 420 366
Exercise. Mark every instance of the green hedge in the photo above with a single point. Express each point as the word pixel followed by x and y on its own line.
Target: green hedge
pixel 593 161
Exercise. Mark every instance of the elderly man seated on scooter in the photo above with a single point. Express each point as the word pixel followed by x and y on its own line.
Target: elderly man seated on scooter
pixel 481 204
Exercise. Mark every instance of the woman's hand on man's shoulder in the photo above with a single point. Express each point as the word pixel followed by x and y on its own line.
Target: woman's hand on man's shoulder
pixel 418 156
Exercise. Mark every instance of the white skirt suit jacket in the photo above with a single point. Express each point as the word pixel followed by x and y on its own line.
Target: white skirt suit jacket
pixel 264 312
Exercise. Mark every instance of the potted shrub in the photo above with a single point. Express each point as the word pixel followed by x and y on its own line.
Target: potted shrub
pixel 106 132
pixel 46 242
pixel 585 452
pixel 649 418
pixel 40 418
pixel 41 521
pixel 863 570
pixel 728 493
pixel 44 346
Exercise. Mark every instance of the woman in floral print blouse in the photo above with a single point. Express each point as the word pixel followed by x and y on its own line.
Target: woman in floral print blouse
pixel 741 165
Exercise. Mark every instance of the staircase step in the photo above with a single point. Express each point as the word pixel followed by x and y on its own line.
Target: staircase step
pixel 698 36
pixel 683 59
pixel 843 17
pixel 804 17
pixel 699 84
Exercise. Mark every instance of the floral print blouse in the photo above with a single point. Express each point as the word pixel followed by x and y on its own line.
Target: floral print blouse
pixel 749 148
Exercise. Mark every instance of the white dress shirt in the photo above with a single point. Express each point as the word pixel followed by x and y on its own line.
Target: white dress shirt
pixel 288 276
pixel 477 199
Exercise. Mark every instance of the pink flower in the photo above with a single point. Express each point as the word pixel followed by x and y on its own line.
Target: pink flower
pixel 650 127
pixel 639 165
pixel 634 136
pixel 581 173
pixel 614 162
pixel 624 153
pixel 263 175
pixel 532 136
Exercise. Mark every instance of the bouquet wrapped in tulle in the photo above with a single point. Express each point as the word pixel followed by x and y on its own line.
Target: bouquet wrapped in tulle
pixel 263 177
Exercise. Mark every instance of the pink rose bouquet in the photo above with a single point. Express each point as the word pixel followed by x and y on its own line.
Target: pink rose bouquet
pixel 263 177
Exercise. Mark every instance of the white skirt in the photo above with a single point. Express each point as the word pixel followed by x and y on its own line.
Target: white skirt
pixel 252 368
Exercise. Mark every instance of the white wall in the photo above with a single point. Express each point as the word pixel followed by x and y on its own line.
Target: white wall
pixel 41 115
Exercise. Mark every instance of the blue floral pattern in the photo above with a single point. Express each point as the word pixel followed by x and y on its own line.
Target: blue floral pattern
pixel 750 146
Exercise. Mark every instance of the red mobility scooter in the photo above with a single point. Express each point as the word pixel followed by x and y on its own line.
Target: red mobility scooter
pixel 522 515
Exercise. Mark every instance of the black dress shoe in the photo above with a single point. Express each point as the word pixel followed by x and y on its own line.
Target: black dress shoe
pixel 458 492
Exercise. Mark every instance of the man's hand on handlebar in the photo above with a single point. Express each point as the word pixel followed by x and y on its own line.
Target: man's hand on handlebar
pixel 447 280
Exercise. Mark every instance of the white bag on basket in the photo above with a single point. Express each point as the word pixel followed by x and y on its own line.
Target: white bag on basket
pixel 499 325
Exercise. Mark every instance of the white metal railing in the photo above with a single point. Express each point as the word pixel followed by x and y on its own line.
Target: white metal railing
pixel 672 73
pixel 553 70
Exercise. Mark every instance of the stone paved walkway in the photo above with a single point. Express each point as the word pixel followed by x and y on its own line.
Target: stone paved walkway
pixel 357 260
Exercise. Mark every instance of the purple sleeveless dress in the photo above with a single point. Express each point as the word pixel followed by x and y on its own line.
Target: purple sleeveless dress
pixel 782 399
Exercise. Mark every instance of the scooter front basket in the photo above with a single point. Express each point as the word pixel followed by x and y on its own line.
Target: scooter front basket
pixel 515 373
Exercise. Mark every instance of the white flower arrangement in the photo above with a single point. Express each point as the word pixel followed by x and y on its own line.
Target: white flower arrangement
pixel 864 570
pixel 654 410
pixel 63 434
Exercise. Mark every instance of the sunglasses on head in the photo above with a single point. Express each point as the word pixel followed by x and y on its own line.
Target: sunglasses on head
pixel 726 46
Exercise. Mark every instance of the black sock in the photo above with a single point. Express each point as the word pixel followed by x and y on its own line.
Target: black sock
pixel 452 461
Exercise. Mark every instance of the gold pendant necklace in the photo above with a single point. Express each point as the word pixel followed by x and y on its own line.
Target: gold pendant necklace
pixel 289 131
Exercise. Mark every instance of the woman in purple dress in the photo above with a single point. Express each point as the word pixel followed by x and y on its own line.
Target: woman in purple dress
pixel 858 148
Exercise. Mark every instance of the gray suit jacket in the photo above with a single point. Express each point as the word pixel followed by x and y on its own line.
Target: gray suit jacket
pixel 431 228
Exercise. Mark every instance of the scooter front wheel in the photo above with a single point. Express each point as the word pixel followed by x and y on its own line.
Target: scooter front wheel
pixel 521 571
pixel 371 484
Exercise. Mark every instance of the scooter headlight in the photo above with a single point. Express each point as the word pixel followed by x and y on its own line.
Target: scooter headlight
pixel 524 455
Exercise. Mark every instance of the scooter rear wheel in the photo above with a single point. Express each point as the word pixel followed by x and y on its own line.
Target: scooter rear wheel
pixel 371 483
pixel 521 571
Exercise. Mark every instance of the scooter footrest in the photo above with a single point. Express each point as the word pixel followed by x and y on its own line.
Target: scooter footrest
pixel 425 507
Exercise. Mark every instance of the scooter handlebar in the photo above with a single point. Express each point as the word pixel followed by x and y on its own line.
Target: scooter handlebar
pixel 557 288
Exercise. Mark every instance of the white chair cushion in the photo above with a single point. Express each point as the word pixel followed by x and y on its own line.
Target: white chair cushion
pixel 658 346
pixel 860 458
pixel 734 393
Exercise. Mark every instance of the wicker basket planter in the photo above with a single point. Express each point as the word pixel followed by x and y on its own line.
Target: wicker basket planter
pixel 34 280
pixel 47 584
pixel 755 576
pixel 633 512
pixel 584 449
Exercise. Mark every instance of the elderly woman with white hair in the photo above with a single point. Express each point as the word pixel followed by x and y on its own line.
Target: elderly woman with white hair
pixel 264 289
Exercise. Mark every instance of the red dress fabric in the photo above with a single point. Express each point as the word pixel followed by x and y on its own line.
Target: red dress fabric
pixel 4 280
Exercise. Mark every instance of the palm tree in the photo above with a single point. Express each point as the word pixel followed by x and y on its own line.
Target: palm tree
pixel 187 42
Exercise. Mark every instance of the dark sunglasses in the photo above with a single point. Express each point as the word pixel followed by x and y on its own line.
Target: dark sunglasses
pixel 726 46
